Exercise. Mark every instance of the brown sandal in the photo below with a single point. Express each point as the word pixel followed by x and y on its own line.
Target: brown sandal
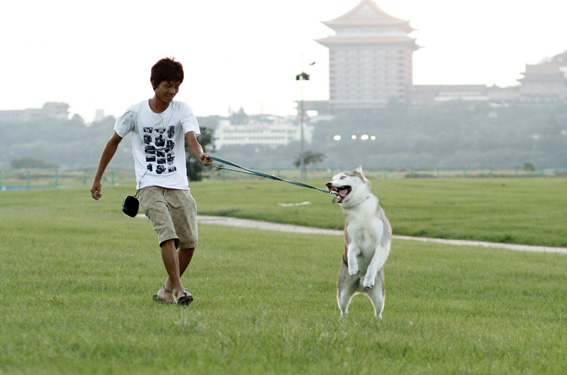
pixel 185 298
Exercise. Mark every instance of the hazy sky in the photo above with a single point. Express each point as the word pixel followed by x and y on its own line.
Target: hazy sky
pixel 98 54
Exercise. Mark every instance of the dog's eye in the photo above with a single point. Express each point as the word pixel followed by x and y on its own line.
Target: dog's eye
pixel 343 177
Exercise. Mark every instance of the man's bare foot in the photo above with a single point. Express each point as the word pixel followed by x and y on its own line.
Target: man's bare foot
pixel 164 295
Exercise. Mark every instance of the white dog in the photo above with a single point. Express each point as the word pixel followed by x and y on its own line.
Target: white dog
pixel 368 237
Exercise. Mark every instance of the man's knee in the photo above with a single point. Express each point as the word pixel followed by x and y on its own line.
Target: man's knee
pixel 169 243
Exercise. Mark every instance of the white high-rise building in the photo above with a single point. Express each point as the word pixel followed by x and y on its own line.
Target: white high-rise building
pixel 370 59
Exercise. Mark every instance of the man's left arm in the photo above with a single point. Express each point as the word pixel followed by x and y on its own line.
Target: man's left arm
pixel 196 150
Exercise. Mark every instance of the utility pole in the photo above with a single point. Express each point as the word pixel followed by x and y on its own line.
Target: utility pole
pixel 302 77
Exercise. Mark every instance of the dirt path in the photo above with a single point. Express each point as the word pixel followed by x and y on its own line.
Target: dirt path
pixel 255 224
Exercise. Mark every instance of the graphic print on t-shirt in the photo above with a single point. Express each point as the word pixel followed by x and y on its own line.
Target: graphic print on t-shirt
pixel 158 148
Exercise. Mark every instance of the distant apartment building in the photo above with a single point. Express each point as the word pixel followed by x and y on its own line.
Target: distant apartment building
pixel 370 59
pixel 99 115
pixel 428 95
pixel 542 84
pixel 52 110
pixel 267 134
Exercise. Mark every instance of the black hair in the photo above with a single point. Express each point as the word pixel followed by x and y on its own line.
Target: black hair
pixel 166 69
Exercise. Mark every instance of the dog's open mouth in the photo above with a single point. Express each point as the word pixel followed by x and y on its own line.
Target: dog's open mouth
pixel 341 192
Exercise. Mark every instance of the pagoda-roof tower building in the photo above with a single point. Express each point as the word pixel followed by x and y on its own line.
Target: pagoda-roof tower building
pixel 544 84
pixel 370 59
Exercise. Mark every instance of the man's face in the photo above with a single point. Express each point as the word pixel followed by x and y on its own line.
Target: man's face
pixel 167 90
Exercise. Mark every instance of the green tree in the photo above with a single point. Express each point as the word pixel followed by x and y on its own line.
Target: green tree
pixel 529 167
pixel 31 163
pixel 310 157
pixel 194 167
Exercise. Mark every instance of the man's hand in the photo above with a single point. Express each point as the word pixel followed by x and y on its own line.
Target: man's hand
pixel 205 159
pixel 95 190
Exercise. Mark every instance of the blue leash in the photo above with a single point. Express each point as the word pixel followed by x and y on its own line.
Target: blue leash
pixel 261 174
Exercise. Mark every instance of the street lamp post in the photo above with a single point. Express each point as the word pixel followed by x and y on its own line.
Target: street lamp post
pixel 302 77
pixel 302 156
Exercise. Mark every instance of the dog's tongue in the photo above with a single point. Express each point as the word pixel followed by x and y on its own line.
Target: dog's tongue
pixel 343 193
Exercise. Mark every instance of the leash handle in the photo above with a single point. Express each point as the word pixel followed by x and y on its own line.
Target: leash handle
pixel 271 177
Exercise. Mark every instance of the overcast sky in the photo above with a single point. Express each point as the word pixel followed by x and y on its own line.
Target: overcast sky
pixel 98 54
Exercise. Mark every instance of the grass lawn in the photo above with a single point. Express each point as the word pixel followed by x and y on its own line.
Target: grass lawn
pixel 522 211
pixel 78 276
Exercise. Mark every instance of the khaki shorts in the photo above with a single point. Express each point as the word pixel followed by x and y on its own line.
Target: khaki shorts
pixel 173 214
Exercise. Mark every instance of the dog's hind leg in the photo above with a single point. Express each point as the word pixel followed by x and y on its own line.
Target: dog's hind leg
pixel 346 288
pixel 377 294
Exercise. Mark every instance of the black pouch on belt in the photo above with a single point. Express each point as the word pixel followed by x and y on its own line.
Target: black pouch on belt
pixel 131 205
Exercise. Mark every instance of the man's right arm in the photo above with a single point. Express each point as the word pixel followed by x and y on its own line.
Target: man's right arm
pixel 105 158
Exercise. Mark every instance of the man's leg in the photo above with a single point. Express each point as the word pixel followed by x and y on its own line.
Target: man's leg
pixel 172 266
pixel 183 213
pixel 184 257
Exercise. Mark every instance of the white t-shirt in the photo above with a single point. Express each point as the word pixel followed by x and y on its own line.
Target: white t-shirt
pixel 158 143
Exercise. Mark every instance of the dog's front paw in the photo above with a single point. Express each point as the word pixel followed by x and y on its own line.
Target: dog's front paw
pixel 352 269
pixel 368 284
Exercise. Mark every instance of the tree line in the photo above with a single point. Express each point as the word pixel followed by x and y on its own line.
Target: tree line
pixel 449 135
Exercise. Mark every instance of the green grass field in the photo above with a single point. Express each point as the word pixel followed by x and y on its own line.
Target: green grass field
pixel 78 276
pixel 523 211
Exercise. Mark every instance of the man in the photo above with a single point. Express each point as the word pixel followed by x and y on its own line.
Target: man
pixel 158 126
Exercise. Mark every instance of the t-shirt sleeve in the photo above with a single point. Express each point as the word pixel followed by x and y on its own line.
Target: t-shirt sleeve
pixel 125 123
pixel 189 120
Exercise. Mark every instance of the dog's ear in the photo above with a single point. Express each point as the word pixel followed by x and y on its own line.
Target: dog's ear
pixel 360 173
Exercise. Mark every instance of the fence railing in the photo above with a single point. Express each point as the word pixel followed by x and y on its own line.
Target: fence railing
pixel 52 178
pixel 400 173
